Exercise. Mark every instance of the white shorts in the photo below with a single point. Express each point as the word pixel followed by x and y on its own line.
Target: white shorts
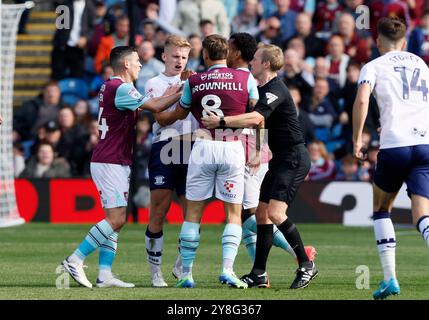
pixel 113 183
pixel 252 186
pixel 216 163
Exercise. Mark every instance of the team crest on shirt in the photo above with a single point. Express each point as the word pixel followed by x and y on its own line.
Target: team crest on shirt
pixel 133 93
pixel 204 76
pixel 228 186
pixel 270 97
pixel 159 180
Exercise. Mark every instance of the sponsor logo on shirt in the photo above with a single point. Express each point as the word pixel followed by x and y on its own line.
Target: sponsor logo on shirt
pixel 159 180
pixel 133 93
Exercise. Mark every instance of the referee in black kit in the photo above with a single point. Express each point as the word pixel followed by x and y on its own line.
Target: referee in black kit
pixel 288 168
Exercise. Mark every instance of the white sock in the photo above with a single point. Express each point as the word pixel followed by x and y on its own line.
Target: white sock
pixel 386 243
pixel 423 227
pixel 75 259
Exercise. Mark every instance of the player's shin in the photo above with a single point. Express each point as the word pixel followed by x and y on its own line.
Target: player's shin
pixel 96 236
pixel 249 236
pixel 423 227
pixel 231 238
pixel 386 243
pixel 189 242
pixel 107 256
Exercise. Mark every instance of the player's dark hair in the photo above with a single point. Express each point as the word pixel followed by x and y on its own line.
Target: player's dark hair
pixel 393 29
pixel 118 54
pixel 216 47
pixel 246 44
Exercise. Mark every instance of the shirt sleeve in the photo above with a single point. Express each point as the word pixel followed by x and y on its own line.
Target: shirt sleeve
pixel 367 75
pixel 267 103
pixel 252 86
pixel 186 99
pixel 128 98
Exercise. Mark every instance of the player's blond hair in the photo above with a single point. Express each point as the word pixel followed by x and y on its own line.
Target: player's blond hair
pixel 177 41
pixel 273 54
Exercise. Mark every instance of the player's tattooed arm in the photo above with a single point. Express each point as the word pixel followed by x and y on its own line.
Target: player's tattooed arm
pixel 360 111
pixel 169 117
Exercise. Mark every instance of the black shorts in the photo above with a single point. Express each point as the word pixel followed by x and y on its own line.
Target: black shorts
pixel 287 170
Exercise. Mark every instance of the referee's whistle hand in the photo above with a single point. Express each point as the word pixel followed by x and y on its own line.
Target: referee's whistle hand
pixel 211 121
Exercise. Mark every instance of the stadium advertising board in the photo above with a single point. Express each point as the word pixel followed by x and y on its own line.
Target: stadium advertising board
pixel 77 201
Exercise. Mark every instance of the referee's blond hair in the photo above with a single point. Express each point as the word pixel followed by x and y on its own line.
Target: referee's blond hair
pixel 273 54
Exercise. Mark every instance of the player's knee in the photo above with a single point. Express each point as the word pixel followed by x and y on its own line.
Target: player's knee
pixel 118 222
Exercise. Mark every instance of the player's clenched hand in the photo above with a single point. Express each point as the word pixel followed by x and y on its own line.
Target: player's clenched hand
pixel 186 74
pixel 254 163
pixel 211 121
pixel 172 90
pixel 358 151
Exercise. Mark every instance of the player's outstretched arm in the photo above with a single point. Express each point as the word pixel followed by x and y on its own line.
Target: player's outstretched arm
pixel 360 111
pixel 169 117
pixel 245 120
pixel 159 104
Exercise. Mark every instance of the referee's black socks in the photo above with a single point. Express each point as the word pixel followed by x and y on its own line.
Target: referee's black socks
pixel 264 241
pixel 292 236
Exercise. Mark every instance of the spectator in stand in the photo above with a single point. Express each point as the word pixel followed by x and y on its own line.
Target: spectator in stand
pixel 159 42
pixel 84 154
pixel 36 112
pixel 68 54
pixel 71 137
pixel 306 125
pixel 189 14
pixel 294 73
pixel 270 33
pixel 103 26
pixel 337 61
pixel 303 6
pixel 418 43
pixel 151 67
pixel 269 7
pixel 350 7
pixel 322 167
pixel 314 46
pixel 148 30
pixel 321 68
pixel 231 7
pixel 107 43
pixel 287 19
pixel 46 165
pixel 207 28
pixel 248 20
pixel 349 169
pixel 82 115
pixel 298 45
pixel 325 16
pixel 98 80
pixel 357 48
pixel 322 113
pixel 195 61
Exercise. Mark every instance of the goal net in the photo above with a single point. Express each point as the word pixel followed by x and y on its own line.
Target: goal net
pixel 10 15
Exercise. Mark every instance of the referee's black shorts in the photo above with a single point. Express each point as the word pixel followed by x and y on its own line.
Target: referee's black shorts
pixel 287 170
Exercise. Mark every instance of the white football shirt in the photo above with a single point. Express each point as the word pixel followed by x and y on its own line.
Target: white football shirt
pixel 400 84
pixel 155 87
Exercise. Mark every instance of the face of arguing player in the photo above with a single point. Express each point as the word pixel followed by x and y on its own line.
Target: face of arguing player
pixel 133 65
pixel 175 59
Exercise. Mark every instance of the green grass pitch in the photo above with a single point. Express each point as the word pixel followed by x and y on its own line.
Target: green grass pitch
pixel 30 254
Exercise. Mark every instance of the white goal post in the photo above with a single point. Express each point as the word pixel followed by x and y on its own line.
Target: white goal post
pixel 10 15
